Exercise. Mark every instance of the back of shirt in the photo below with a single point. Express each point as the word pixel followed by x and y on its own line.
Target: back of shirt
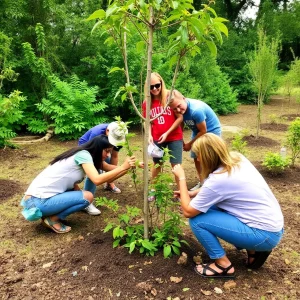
pixel 60 177
pixel 95 131
pixel 197 112
pixel 244 194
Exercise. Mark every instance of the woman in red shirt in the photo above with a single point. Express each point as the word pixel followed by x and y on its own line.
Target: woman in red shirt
pixel 165 131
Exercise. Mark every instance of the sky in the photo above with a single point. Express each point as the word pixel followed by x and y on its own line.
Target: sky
pixel 251 12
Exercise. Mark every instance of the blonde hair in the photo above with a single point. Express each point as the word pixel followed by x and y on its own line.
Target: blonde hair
pixel 163 90
pixel 175 95
pixel 213 153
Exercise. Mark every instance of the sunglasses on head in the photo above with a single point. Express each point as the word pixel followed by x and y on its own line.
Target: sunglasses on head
pixel 157 86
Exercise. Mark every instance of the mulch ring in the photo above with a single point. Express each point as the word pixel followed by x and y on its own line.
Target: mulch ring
pixel 291 117
pixel 274 127
pixel 260 141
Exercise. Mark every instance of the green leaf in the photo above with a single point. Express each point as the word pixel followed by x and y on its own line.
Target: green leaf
pixel 167 251
pixel 140 46
pixel 147 244
pixel 185 289
pixel 108 228
pixel 124 97
pixel 116 232
pixel 132 246
pixel 96 25
pixel 175 250
pixel 176 243
pixel 223 28
pixel 115 69
pixel 212 47
pixel 98 14
pixel 116 243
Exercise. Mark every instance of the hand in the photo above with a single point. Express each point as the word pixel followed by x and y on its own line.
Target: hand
pixel 187 147
pixel 150 140
pixel 178 171
pixel 176 194
pixel 129 162
pixel 162 138
pixel 140 164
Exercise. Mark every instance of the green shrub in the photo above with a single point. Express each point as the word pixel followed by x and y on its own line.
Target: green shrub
pixel 204 80
pixel 10 114
pixel 70 108
pixel 274 119
pixel 293 140
pixel 275 163
pixel 238 144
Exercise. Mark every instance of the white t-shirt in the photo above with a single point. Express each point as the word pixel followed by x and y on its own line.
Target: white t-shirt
pixel 243 194
pixel 60 177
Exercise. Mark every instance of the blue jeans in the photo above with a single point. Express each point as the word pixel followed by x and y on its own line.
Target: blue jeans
pixel 214 224
pixel 60 205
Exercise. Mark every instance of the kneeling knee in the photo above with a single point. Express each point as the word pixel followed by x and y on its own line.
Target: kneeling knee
pixel 88 196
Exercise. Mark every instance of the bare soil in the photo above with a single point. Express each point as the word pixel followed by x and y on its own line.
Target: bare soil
pixel 36 263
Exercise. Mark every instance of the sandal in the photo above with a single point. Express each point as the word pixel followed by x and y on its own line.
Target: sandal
pixel 259 259
pixel 223 274
pixel 47 222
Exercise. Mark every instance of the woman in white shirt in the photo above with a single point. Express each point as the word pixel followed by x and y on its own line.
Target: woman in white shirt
pixel 235 204
pixel 54 193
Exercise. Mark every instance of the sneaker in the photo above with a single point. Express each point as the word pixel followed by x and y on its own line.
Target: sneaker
pixel 92 210
pixel 196 187
pixel 112 188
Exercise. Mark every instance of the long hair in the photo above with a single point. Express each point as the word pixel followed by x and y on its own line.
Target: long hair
pixel 95 147
pixel 163 90
pixel 213 153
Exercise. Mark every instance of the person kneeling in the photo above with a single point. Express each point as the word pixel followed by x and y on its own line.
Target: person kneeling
pixel 54 194
pixel 235 204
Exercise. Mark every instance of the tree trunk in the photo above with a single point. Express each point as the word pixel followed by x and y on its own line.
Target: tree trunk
pixel 147 125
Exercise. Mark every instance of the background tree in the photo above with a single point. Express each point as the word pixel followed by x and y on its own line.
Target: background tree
pixel 263 66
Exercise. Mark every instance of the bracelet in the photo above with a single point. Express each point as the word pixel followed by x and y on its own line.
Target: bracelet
pixel 181 178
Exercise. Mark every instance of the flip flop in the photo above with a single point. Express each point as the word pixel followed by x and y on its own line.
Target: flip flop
pixel 224 274
pixel 259 259
pixel 47 222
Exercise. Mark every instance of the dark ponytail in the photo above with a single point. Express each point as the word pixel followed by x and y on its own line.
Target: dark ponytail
pixel 95 147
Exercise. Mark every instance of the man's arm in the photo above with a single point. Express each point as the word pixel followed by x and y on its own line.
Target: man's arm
pixel 202 130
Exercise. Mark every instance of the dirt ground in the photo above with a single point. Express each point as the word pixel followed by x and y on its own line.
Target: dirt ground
pixel 36 263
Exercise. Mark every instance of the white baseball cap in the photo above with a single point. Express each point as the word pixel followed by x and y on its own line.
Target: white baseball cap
pixel 116 133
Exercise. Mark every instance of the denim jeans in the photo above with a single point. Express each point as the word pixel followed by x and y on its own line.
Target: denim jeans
pixel 214 224
pixel 60 205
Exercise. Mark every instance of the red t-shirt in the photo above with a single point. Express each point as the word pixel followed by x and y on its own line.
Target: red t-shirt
pixel 160 125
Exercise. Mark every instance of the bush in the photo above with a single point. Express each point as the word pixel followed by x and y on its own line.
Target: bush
pixel 293 140
pixel 275 163
pixel 9 115
pixel 204 80
pixel 70 108
pixel 237 144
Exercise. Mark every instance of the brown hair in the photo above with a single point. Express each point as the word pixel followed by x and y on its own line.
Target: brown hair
pixel 163 90
pixel 213 153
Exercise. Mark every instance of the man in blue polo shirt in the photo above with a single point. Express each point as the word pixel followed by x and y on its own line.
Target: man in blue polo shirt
pixel 199 117
pixel 115 136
